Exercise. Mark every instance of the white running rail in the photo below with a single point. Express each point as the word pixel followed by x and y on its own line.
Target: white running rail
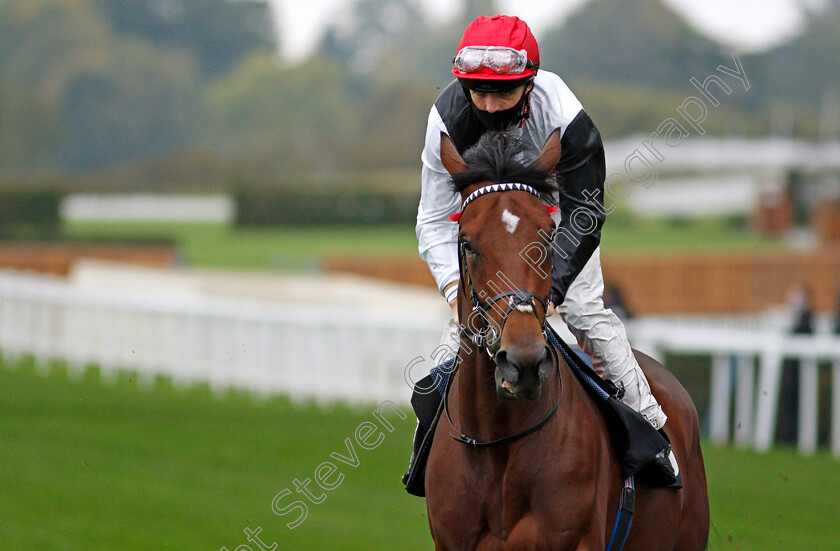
pixel 358 356
pixel 267 349
pixel 746 369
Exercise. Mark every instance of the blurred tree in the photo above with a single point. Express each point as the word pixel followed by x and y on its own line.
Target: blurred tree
pixel 643 43
pixel 376 32
pixel 139 102
pixel 474 8
pixel 96 98
pixel 393 124
pixel 804 70
pixel 300 117
pixel 219 32
pixel 29 132
pixel 42 43
pixel 46 41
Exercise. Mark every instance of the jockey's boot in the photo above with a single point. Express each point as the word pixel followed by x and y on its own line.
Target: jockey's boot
pixel 427 401
pixel 427 407
pixel 637 395
pixel 419 434
pixel 663 468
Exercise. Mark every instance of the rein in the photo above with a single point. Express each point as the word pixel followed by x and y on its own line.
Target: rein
pixel 487 338
pixel 464 439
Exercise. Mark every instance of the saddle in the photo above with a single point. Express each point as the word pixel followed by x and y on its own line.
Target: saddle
pixel 635 441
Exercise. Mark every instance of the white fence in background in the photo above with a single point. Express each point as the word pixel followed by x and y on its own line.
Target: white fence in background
pixel 148 207
pixel 747 366
pixel 362 357
pixel 339 355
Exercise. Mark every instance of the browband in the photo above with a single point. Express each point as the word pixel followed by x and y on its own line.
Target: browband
pixel 493 188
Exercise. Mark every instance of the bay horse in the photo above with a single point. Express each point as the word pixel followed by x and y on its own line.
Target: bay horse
pixel 557 487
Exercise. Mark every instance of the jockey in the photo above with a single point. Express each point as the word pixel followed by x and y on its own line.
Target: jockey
pixel 499 86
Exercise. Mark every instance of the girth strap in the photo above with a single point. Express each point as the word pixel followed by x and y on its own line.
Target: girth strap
pixel 624 517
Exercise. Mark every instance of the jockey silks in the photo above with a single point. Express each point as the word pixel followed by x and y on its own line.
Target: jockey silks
pixel 581 172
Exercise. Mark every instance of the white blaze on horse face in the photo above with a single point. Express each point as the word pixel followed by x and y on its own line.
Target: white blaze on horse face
pixel 510 221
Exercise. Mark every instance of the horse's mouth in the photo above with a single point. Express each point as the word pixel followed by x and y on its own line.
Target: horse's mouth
pixel 507 387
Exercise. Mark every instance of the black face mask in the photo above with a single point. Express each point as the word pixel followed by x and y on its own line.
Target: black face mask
pixel 502 120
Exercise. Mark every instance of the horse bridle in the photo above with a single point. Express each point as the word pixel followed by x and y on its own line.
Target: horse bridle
pixel 517 299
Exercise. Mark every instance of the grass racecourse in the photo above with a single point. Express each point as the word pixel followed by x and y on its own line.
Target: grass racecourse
pixel 304 248
pixel 116 465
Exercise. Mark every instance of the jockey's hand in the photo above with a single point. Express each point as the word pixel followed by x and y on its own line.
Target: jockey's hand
pixel 454 305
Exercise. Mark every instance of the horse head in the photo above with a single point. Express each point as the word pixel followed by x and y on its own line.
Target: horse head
pixel 503 297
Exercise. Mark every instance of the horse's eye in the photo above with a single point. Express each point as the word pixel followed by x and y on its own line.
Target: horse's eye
pixel 549 245
pixel 468 248
pixel 548 239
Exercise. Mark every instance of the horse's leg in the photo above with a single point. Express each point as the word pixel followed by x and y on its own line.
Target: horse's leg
pixel 455 518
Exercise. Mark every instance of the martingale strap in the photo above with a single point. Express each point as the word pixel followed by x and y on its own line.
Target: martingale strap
pixel 624 517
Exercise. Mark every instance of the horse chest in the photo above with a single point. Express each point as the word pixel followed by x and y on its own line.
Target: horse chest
pixel 494 505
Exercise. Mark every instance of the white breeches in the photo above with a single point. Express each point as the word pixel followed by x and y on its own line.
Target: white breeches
pixel 601 335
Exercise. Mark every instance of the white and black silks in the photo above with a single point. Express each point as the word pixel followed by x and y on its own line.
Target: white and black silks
pixel 580 172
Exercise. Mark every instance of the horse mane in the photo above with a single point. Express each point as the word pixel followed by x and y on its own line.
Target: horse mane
pixel 497 158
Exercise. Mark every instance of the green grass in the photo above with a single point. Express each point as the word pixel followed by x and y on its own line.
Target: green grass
pixel 780 500
pixel 304 248
pixel 117 466
pixel 681 236
pixel 281 248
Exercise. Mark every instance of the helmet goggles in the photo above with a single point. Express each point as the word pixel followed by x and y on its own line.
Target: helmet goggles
pixel 501 60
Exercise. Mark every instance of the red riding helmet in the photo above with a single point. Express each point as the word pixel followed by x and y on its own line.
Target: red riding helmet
pixel 499 48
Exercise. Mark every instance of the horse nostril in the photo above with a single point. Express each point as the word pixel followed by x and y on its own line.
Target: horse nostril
pixel 546 364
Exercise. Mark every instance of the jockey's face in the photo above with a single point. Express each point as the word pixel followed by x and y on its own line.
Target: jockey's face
pixel 497 101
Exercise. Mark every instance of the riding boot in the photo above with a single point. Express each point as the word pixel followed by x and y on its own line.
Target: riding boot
pixel 427 405
pixel 663 470
pixel 419 435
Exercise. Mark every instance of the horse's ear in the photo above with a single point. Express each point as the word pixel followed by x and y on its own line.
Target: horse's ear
pixel 550 154
pixel 450 157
